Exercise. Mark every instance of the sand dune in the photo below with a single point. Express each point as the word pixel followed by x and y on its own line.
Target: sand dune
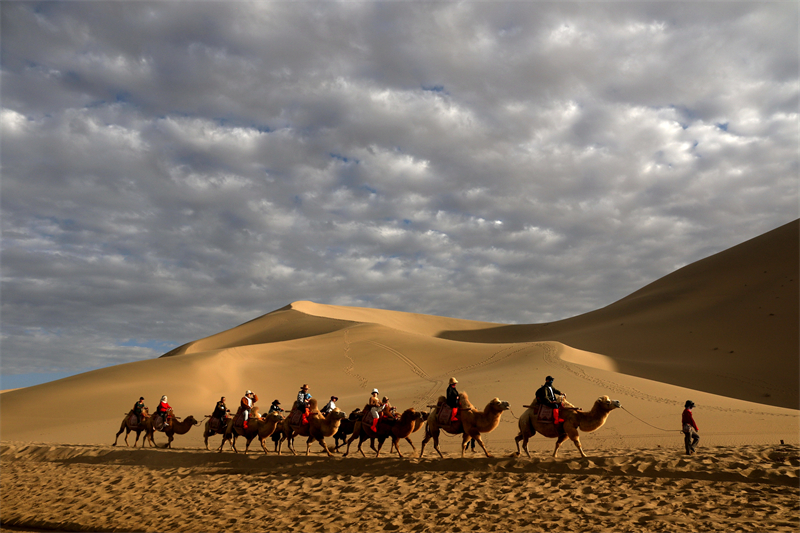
pixel 651 351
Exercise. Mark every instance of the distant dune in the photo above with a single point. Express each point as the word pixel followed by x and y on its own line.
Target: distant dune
pixel 723 331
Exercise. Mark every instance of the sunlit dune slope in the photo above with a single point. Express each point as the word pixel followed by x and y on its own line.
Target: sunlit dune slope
pixel 727 324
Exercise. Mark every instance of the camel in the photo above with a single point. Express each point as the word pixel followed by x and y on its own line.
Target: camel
pixel 395 429
pixel 177 427
pixel 221 427
pixel 574 420
pixel 127 427
pixel 471 423
pixel 318 428
pixel 346 428
pixel 257 426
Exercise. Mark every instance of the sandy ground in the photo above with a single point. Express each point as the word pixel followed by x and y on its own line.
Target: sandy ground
pixel 99 488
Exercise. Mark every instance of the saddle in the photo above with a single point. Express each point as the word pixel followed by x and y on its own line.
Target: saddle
pixel 159 422
pixel 444 414
pixel 544 413
pixel 133 422
pixel 296 417
pixel 217 425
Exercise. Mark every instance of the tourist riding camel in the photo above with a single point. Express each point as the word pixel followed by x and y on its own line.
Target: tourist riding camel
pixel 218 419
pixel 547 395
pixel 301 405
pixel 330 406
pixel 138 409
pixel 275 407
pixel 248 400
pixel 374 406
pixel 452 399
pixel 163 410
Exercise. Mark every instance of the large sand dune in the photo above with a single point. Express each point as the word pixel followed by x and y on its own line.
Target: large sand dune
pixel 722 332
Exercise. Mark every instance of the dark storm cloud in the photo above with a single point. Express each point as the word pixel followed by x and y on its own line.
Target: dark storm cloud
pixel 173 169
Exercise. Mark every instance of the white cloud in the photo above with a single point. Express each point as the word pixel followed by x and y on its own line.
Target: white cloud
pixel 171 170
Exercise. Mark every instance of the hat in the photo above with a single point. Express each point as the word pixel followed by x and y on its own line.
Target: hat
pixel 164 398
pixel 248 392
pixel 304 387
pixel 334 398
pixel 375 391
pixel 689 404
pixel 549 378
pixel 453 381
pixel 385 399
pixel 276 402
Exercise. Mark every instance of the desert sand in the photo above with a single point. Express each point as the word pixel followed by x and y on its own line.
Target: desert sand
pixel 650 351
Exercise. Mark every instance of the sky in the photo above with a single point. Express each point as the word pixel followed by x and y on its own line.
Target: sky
pixel 172 169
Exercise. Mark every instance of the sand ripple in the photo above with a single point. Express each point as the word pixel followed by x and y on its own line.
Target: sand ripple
pixel 89 488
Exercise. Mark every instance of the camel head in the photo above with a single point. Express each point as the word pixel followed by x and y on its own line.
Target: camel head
pixel 336 414
pixel 191 420
pixel 276 416
pixel 355 414
pixel 608 404
pixel 497 405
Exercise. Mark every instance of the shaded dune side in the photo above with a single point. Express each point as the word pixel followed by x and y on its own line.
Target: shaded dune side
pixel 728 324
pixel 282 325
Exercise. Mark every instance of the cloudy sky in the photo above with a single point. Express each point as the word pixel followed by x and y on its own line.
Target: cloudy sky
pixel 171 170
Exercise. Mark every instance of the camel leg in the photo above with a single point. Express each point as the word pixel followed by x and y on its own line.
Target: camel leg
pixel 396 445
pixel 136 441
pixel 308 444
pixel 577 440
pixel 561 439
pixel 233 442
pixel 121 429
pixel 350 441
pixel 247 446
pixel 479 440
pixel 263 446
pixel 380 445
pixel 325 447
pixel 412 446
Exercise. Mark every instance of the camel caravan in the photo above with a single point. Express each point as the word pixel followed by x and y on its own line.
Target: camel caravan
pixel 549 414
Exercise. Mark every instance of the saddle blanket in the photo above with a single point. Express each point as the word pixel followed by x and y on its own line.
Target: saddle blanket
pixel 296 417
pixel 544 414
pixel 445 413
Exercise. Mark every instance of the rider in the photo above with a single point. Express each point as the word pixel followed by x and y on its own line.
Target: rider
pixel 163 409
pixel 452 399
pixel 388 410
pixel 220 411
pixel 275 407
pixel 138 409
pixel 248 400
pixel 375 408
pixel 547 396
pixel 302 402
pixel 330 406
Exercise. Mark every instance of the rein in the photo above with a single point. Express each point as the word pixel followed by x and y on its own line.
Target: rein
pixel 649 424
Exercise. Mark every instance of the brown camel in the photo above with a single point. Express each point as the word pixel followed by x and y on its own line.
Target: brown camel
pixel 222 425
pixel 127 426
pixel 318 428
pixel 395 429
pixel 471 423
pixel 574 420
pixel 177 427
pixel 346 428
pixel 402 429
pixel 256 427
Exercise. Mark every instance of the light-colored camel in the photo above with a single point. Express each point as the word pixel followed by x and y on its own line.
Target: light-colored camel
pixel 471 423
pixel 257 426
pixel 318 428
pixel 127 427
pixel 395 429
pixel 574 420
pixel 177 427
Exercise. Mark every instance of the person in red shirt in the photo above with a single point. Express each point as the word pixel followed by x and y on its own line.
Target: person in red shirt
pixel 690 436
pixel 163 409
